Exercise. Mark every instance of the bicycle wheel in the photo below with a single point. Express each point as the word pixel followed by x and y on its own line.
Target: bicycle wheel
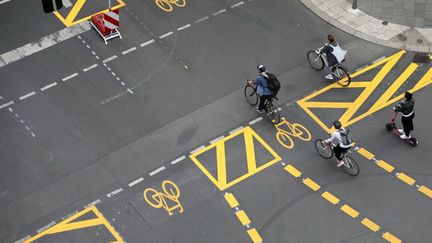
pixel 344 79
pixel 350 166
pixel 323 149
pixel 170 189
pixel 272 113
pixel 164 5
pixel 152 197
pixel 251 95
pixel 315 60
pixel 301 132
pixel 285 140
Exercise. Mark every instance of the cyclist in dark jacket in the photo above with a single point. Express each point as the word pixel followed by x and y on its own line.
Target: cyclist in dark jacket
pixel 406 107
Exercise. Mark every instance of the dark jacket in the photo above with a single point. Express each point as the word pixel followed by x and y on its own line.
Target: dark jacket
pixel 406 107
pixel 328 51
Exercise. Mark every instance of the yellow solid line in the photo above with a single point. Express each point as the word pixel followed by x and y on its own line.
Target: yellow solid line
pixel 385 166
pixel 254 235
pixel 110 228
pixel 250 149
pixel 350 211
pixel 322 104
pixel 293 171
pixel 244 219
pixel 370 224
pixel 75 9
pixel 405 178
pixel 365 153
pixel 76 225
pixel 221 164
pixel 232 201
pixel 330 197
pixel 391 238
pixel 311 184
pixel 425 190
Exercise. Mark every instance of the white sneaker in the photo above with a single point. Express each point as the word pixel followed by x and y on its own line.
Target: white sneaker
pixel 405 137
pixel 401 131
pixel 329 76
pixel 340 163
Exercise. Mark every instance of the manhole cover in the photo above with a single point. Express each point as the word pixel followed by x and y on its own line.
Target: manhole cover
pixel 420 57
pixel 402 37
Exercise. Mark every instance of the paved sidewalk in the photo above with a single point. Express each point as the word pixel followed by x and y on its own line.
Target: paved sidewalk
pixel 401 24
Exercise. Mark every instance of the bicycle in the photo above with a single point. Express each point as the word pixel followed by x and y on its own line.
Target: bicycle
pixel 325 150
pixel 252 98
pixel 158 200
pixel 295 130
pixel 317 61
pixel 166 5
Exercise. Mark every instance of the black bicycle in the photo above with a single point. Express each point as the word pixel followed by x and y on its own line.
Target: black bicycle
pixel 271 111
pixel 317 61
pixel 325 150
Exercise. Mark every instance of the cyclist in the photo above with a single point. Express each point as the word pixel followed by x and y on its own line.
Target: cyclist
pixel 407 109
pixel 262 87
pixel 340 147
pixel 334 54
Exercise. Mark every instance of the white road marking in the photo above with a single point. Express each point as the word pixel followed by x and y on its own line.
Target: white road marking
pixel 92 203
pixel 216 139
pixel 10 109
pixel 69 77
pixel 255 120
pixel 379 59
pixel 48 86
pixel 130 91
pixel 165 35
pixel 46 227
pixel 219 12
pixel 27 95
pixel 109 59
pixel 237 4
pixel 201 19
pixel 147 43
pixel 94 53
pixel 114 192
pixel 235 130
pixel 157 171
pixel 4 1
pixel 22 121
pixel 113 74
pixel 24 238
pixel 90 68
pixel 133 183
pixel 178 160
pixel 279 109
pixel 184 27
pixel 88 46
pixel 33 135
pixel 197 149
pixel 129 50
pixel 122 83
pixel 108 68
pixel 27 128
pixel 67 3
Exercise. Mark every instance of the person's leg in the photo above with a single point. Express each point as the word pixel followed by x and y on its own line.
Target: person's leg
pixel 406 126
pixel 263 98
pixel 338 154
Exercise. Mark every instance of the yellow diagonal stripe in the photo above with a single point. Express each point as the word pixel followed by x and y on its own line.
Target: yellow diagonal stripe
pixel 77 225
pixel 311 184
pixel 254 235
pixel 370 224
pixel 293 171
pixel 405 178
pixel 74 12
pixel 385 166
pixel 425 190
pixel 330 197
pixel 391 238
pixel 350 211
pixel 365 153
pixel 232 201
pixel 244 219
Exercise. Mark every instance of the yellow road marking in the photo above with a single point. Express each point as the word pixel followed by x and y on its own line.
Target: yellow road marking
pixel 391 238
pixel 221 164
pixel 350 211
pixel 365 153
pixel 405 178
pixel 244 219
pixel 385 166
pixel 425 190
pixel 254 235
pixel 75 9
pixel 311 184
pixel 232 201
pixel 330 197
pixel 293 171
pixel 77 225
pixel 370 224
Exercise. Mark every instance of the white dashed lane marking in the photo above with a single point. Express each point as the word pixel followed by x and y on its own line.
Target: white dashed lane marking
pixel 184 27
pixel 133 183
pixel 157 170
pixel 219 12
pixel 69 77
pixel 147 43
pixel 201 19
pixel 129 50
pixel 48 86
pixel 237 4
pixel 178 160
pixel 27 95
pixel 109 59
pixel 165 35
pixel 6 105
pixel 90 67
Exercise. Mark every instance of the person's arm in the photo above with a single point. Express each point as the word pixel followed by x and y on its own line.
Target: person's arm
pixel 399 107
pixel 333 136
pixel 327 48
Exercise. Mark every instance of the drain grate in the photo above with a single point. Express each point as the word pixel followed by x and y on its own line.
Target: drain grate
pixel 421 57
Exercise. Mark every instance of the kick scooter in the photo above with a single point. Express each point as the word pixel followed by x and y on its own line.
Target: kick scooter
pixel 392 127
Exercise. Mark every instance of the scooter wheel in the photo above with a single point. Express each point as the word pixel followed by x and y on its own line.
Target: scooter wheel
pixel 389 127
pixel 413 142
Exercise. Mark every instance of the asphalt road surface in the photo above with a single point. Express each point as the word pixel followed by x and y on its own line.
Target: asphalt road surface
pixel 150 139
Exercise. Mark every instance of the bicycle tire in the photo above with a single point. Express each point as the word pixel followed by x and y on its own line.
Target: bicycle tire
pixel 324 150
pixel 315 61
pixel 350 166
pixel 344 79
pixel 164 5
pixel 170 189
pixel 272 113
pixel 154 203
pixel 251 95
pixel 300 130
pixel 280 136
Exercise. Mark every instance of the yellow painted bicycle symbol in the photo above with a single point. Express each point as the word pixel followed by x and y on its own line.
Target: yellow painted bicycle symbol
pixel 167 5
pixel 295 130
pixel 158 199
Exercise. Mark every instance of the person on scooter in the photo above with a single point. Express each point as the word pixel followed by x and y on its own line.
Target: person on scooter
pixel 406 107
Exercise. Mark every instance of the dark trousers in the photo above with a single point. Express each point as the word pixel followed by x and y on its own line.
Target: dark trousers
pixel 407 123
pixel 338 150
pixel 263 98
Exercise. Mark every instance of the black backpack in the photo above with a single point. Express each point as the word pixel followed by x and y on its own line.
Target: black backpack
pixel 273 83
pixel 346 136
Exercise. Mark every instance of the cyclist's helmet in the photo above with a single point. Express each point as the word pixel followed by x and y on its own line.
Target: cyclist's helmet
pixel 337 124
pixel 261 68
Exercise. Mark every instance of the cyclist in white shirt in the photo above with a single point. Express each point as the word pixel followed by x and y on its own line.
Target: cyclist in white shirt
pixel 340 147
pixel 334 54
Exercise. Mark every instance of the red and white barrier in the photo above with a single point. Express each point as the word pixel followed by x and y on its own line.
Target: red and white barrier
pixel 107 24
